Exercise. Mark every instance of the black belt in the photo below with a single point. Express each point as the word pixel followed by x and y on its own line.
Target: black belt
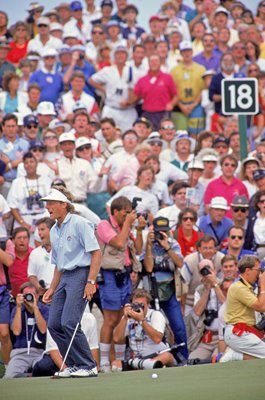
pixel 126 270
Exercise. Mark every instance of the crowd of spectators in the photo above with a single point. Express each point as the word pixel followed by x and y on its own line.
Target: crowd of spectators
pixel 95 103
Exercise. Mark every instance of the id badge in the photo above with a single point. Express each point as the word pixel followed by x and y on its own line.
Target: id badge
pixel 190 193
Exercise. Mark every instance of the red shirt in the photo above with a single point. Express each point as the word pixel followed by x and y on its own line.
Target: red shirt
pixel 218 187
pixel 156 91
pixel 188 246
pixel 18 272
pixel 17 53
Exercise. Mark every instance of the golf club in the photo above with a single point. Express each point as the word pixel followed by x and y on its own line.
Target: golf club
pixel 70 344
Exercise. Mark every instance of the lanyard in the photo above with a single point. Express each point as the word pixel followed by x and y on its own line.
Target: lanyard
pixel 29 321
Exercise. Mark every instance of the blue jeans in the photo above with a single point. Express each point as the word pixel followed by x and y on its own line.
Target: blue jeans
pixel 173 312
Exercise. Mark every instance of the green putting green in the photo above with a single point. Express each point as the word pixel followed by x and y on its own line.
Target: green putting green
pixel 237 380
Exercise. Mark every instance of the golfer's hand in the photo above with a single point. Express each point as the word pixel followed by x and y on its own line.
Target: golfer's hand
pixel 47 297
pixel 89 291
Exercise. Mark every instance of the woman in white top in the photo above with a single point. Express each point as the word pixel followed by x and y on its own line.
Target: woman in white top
pixel 11 99
pixel 248 167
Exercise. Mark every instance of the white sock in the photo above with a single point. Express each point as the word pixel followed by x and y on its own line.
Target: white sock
pixel 237 356
pixel 104 353
pixel 119 351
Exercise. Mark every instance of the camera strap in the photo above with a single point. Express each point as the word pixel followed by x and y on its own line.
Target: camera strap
pixel 29 322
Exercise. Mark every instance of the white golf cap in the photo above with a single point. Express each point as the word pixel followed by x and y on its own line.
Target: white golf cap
pixel 196 164
pixel 79 106
pixel 82 141
pixel 219 202
pixel 221 9
pixel 56 195
pixel 55 26
pixel 210 157
pixel 67 137
pixel 46 108
pixel 43 21
pixel 49 52
pixel 185 45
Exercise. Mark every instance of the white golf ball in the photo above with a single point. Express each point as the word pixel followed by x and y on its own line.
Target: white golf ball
pixel 154 376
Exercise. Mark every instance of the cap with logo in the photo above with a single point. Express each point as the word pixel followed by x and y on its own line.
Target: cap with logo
pixel 76 6
pixel 30 119
pixel 36 144
pixel 161 224
pixel 82 141
pixel 67 137
pixel 185 45
pixel 259 174
pixel 240 201
pixel 46 108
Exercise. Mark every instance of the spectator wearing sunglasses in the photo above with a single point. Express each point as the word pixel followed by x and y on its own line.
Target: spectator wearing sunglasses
pixel 235 243
pixel 255 235
pixel 30 128
pixel 240 211
pixel 185 233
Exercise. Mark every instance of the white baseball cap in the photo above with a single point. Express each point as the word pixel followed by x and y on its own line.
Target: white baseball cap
pixel 56 195
pixel 67 137
pixel 196 164
pixel 219 202
pixel 82 141
pixel 210 157
pixel 46 108
pixel 49 52
pixel 185 45
pixel 43 21
pixel 55 26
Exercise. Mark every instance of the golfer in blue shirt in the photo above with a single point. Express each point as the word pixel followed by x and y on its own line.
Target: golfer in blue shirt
pixel 76 254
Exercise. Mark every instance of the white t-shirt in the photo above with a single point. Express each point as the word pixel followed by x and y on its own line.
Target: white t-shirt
pixel 140 343
pixel 40 265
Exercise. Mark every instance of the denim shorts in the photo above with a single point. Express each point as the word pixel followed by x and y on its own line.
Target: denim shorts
pixel 113 297
pixel 5 309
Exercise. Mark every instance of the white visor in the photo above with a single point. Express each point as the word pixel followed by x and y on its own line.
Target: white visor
pixel 56 195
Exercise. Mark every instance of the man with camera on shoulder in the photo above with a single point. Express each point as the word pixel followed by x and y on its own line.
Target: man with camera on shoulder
pixel 243 336
pixel 29 325
pixel 145 329
pixel 208 298
pixel 162 258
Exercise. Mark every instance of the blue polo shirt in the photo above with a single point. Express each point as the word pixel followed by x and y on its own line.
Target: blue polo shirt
pixel 51 85
pixel 14 151
pixel 72 243
pixel 242 253
pixel 221 228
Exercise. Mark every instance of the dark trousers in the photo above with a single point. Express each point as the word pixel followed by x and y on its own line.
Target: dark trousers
pixel 65 312
pixel 44 367
pixel 155 118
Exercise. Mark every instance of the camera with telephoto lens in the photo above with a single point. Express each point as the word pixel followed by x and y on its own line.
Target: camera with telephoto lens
pixel 139 363
pixel 28 297
pixel 158 236
pixel 210 315
pixel 205 270
pixel 135 201
pixel 137 307
pixel 261 324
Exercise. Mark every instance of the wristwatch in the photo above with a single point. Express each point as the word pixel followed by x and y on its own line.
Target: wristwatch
pixel 215 285
pixel 91 281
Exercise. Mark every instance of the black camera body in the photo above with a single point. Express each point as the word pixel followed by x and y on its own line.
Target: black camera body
pixel 205 270
pixel 210 315
pixel 158 236
pixel 137 307
pixel 28 297
pixel 135 201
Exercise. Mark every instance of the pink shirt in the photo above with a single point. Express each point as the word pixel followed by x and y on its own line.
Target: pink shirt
pixel 105 233
pixel 218 187
pixel 156 91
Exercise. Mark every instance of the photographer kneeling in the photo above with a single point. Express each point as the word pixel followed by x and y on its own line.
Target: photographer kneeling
pixel 243 336
pixel 162 257
pixel 145 330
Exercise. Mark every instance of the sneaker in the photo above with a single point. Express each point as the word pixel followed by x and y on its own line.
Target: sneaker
pixel 66 373
pixel 115 368
pixel 85 373
pixel 228 355
pixel 105 368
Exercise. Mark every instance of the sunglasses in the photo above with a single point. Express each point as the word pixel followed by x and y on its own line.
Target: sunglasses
pixel 155 144
pixel 97 33
pixel 188 219
pixel 167 127
pixel 50 137
pixel 253 70
pixel 85 147
pixel 32 126
pixel 236 237
pixel 37 149
pixel 43 26
pixel 229 165
pixel 262 201
pixel 243 210
pixel 221 146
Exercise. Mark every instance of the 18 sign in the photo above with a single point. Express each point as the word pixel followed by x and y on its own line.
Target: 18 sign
pixel 240 96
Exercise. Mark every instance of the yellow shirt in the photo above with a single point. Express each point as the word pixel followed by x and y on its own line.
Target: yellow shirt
pixel 188 81
pixel 239 300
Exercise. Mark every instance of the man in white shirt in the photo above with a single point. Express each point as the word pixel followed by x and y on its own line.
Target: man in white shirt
pixel 43 40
